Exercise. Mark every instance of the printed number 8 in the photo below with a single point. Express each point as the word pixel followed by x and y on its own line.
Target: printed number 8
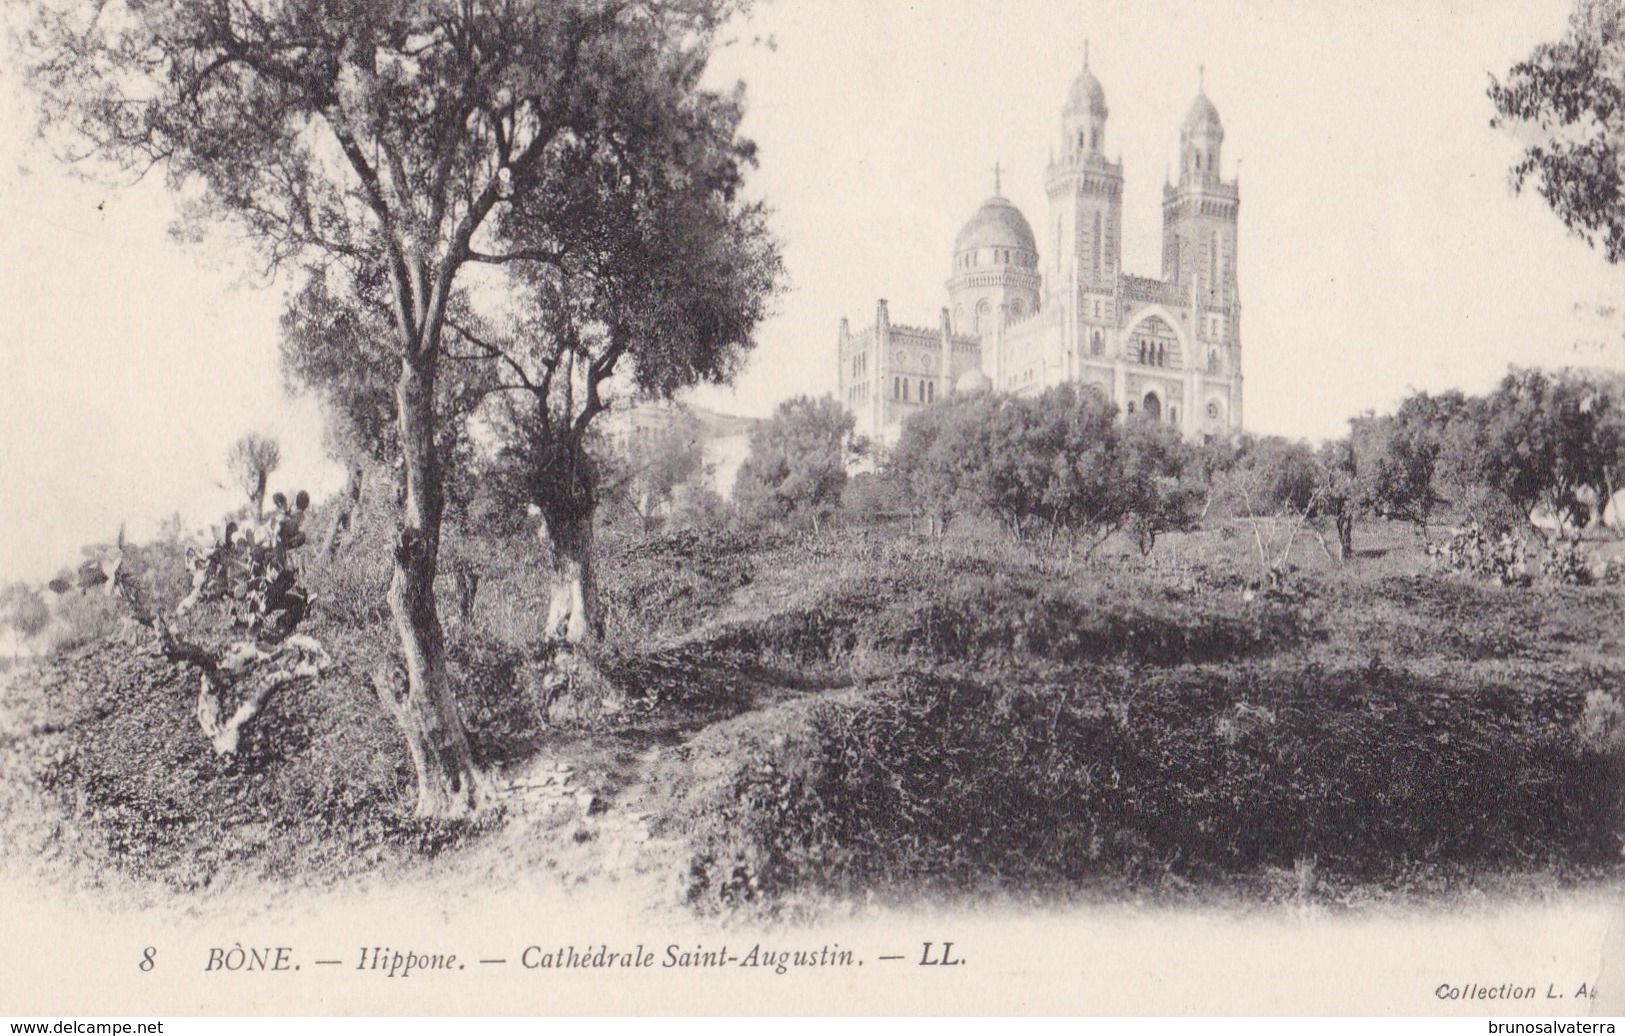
pixel 147 956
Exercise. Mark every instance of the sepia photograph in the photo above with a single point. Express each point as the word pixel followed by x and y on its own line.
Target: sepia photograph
pixel 812 507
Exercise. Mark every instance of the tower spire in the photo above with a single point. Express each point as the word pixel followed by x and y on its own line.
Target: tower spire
pixel 1201 78
pixel 997 184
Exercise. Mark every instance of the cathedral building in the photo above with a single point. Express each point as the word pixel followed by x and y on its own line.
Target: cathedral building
pixel 1020 319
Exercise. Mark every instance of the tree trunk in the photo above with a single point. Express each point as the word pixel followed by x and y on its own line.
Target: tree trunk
pixel 572 611
pixel 346 512
pixel 466 578
pixel 422 704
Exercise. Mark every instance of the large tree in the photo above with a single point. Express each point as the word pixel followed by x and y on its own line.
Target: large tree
pixel 939 449
pixel 381 139
pixel 1054 463
pixel 636 265
pixel 337 345
pixel 1598 409
pixel 1162 482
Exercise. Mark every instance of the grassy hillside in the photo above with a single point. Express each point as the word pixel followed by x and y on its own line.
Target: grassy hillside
pixel 868 711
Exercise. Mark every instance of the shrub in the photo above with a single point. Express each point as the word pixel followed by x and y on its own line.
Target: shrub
pixel 1475 552
pixel 1566 562
pixel 1102 774
pixel 1601 727
pixel 664 585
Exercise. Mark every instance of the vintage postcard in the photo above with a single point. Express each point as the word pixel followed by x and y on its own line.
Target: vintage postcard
pixel 827 507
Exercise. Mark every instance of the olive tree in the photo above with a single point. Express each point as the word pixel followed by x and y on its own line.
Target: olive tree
pixel 796 468
pixel 378 139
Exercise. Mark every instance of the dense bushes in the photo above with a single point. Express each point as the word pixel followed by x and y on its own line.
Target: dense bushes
pixel 313 791
pixel 959 711
pixel 914 601
pixel 1102 773
pixel 662 586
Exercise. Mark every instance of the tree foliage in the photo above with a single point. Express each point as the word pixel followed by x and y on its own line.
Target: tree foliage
pixel 23 609
pixel 1400 457
pixel 252 459
pixel 1570 95
pixel 796 468
pixel 1059 464
pixel 1532 444
pixel 1161 482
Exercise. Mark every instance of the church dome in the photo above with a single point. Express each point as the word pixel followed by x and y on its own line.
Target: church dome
pixel 1202 116
pixel 973 382
pixel 1086 94
pixel 998 224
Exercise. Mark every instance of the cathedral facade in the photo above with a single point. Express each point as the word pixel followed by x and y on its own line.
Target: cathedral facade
pixel 1020 319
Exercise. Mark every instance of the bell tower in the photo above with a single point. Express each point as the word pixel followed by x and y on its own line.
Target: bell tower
pixel 1085 189
pixel 1199 253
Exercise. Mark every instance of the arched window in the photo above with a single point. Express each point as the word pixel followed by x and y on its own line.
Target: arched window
pixel 896 392
pixel 1131 406
pixel 1213 361
pixel 1153 406
pixel 1213 263
pixel 1212 410
pixel 1096 343
pixel 984 317
pixel 1173 415
pixel 1142 350
pixel 1097 242
pixel 905 390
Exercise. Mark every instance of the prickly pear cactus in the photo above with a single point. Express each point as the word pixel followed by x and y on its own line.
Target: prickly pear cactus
pixel 253 572
pixel 248 580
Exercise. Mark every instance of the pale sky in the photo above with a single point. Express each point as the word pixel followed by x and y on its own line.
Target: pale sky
pixel 1380 250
